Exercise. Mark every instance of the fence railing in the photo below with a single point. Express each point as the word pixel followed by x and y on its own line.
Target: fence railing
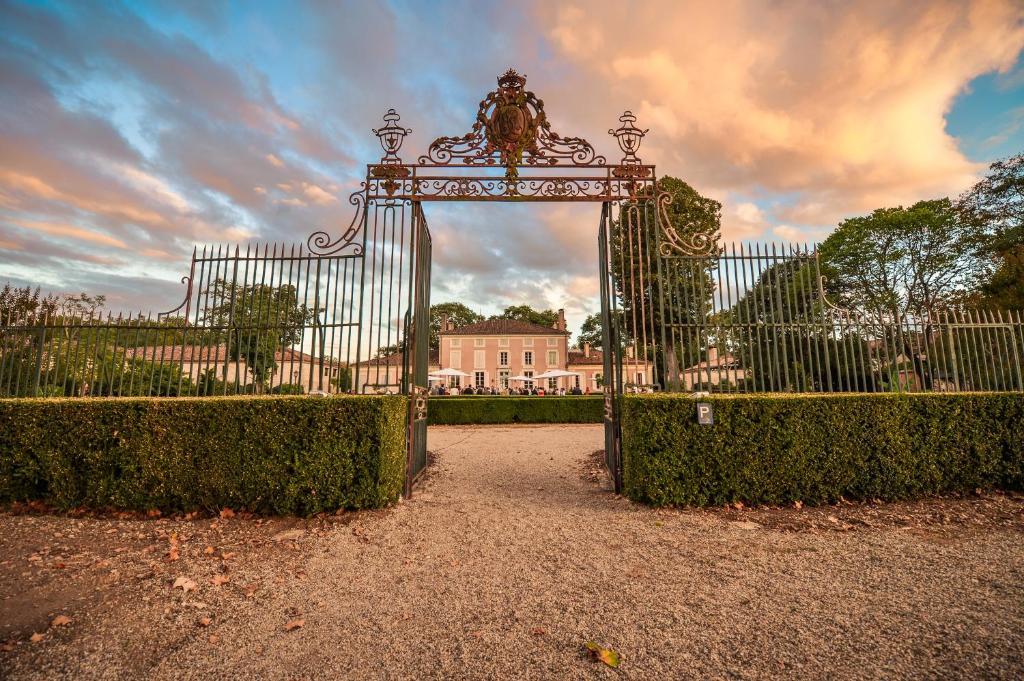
pixel 275 319
pixel 765 319
pixel 263 319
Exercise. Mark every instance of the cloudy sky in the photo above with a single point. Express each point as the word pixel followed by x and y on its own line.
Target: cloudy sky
pixel 130 132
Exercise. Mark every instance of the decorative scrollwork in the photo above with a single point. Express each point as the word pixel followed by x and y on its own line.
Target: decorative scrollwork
pixel 694 244
pixel 320 243
pixel 511 129
pixel 629 137
pixel 187 280
pixel 852 315
pixel 531 188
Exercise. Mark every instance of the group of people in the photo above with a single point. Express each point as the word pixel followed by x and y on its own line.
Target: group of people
pixel 442 389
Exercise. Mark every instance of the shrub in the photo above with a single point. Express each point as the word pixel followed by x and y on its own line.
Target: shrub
pixel 285 455
pixel 506 409
pixel 775 449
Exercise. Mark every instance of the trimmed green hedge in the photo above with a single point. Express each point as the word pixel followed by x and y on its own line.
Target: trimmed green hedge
pixel 469 409
pixel 283 455
pixel 775 449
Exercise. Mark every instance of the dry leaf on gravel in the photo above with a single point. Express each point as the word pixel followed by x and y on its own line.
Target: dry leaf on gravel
pixel 218 580
pixel 185 584
pixel 60 621
pixel 227 513
pixel 602 654
pixel 537 631
pixel 294 624
pixel 36 637
pixel 214 638
pixel 204 621
pixel 208 550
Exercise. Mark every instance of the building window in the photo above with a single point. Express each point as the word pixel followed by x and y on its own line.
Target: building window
pixel 576 380
pixel 503 359
pixel 552 384
pixel 640 378
pixel 456 343
pixel 503 342
pixel 528 384
pixel 456 362
pixel 528 360
pixel 527 342
pixel 552 342
pixel 454 381
pixel 478 379
pixel 479 359
pixel 552 358
pixel 503 379
pixel 479 342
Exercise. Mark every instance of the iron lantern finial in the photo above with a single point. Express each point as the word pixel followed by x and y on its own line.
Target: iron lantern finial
pixel 391 136
pixel 629 137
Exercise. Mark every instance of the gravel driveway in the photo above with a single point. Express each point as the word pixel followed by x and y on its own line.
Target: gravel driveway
pixel 511 556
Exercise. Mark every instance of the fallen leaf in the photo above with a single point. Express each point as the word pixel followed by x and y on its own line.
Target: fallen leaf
pixel 173 554
pixel 60 621
pixel 602 654
pixel 294 624
pixel 229 555
pixel 36 637
pixel 153 513
pixel 185 584
pixel 798 504
pixel 227 513
pixel 214 638
pixel 218 580
pixel 208 550
pixel 250 591
pixel 204 622
pixel 538 631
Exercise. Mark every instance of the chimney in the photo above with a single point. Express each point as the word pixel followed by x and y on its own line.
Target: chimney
pixel 444 321
pixel 586 349
pixel 560 322
pixel 630 351
pixel 712 354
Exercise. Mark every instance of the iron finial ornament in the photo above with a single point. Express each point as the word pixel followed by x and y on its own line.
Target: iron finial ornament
pixel 391 136
pixel 629 137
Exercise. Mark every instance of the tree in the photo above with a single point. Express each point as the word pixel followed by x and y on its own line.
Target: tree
pixel 994 209
pixel 525 313
pixel 901 261
pixel 590 331
pixel 902 264
pixel 259 322
pixel 458 314
pixel 658 291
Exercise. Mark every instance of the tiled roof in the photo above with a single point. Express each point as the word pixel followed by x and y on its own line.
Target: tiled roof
pixel 576 357
pixel 396 360
pixel 504 327
pixel 213 353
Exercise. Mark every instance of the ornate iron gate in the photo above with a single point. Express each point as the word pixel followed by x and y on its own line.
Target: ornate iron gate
pixel 511 134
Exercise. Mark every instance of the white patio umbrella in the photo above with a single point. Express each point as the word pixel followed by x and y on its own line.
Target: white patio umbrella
pixel 447 372
pixel 556 373
pixel 521 378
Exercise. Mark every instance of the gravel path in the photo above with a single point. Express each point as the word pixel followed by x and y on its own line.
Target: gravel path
pixel 511 556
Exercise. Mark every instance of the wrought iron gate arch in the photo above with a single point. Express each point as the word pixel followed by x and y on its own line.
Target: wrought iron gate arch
pixel 510 134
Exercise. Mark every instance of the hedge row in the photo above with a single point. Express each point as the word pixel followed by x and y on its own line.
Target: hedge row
pixel 507 409
pixel 283 455
pixel 770 449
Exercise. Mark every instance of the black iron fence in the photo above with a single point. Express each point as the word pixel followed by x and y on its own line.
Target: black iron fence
pixel 267 318
pixel 768 319
pixel 280 319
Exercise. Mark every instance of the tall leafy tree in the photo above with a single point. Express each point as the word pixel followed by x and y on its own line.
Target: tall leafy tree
pixel 259 322
pixel 902 263
pixel 458 314
pixel 526 313
pixel 591 331
pixel 994 209
pixel 658 289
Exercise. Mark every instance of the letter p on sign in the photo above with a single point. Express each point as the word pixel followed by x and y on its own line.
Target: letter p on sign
pixel 704 415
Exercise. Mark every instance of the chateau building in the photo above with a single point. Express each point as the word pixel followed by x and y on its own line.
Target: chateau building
pixel 494 351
